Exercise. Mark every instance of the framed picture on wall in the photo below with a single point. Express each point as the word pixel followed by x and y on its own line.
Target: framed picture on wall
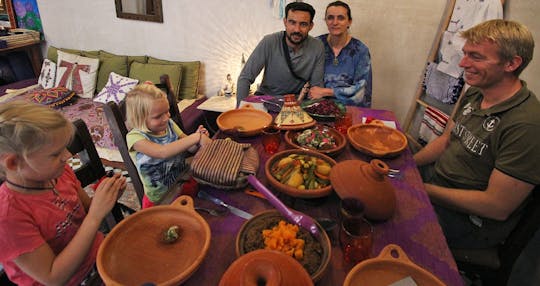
pixel 27 15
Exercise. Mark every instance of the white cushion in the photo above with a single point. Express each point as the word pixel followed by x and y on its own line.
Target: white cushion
pixel 77 73
pixel 48 74
pixel 116 88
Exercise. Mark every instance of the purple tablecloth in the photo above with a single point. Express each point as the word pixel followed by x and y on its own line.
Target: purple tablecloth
pixel 414 225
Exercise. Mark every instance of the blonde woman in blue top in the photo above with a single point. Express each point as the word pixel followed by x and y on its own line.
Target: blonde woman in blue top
pixel 347 70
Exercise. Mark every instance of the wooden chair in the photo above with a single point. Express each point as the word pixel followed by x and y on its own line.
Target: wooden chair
pixel 91 168
pixel 494 265
pixel 116 117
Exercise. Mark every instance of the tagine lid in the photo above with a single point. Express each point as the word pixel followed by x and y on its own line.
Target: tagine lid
pixel 292 115
pixel 367 182
pixel 272 267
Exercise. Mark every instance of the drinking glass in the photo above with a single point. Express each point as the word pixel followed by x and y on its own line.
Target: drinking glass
pixel 343 122
pixel 351 207
pixel 356 239
pixel 271 138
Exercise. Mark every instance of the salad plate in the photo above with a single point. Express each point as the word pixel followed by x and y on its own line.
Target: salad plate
pixel 320 138
pixel 323 109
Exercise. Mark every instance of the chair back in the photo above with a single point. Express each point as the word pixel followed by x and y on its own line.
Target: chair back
pixel 520 236
pixel 494 265
pixel 91 168
pixel 166 86
pixel 116 117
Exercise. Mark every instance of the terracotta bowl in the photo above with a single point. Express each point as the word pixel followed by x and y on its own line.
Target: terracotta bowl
pixel 377 140
pixel 390 266
pixel 341 141
pixel 268 219
pixel 292 191
pixel 244 121
pixel 134 252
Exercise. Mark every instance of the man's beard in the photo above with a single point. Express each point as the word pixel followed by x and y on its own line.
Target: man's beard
pixel 302 38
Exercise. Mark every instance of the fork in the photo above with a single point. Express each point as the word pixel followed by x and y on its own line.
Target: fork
pixel 293 216
pixel 394 174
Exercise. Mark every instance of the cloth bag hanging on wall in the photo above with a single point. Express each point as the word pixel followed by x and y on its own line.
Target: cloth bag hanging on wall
pixel 432 125
pixel 441 86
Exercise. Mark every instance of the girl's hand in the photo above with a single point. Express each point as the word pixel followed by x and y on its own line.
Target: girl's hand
pixel 202 130
pixel 106 195
pixel 205 140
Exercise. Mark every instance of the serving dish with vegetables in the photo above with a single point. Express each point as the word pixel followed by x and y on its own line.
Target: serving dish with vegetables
pixel 269 230
pixel 300 173
pixel 322 139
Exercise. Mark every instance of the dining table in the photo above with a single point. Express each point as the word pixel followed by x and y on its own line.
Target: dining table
pixel 413 226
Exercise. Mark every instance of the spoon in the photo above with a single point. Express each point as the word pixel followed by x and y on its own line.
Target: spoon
pixel 293 216
pixel 214 212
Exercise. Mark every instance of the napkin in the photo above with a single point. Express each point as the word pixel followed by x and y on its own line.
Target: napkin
pixel 388 123
pixel 218 104
pixel 407 281
pixel 256 105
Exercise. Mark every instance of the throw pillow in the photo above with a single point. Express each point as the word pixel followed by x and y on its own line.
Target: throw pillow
pixel 116 88
pixel 190 77
pixel 52 53
pixel 77 73
pixel 55 97
pixel 152 72
pixel 48 74
pixel 107 63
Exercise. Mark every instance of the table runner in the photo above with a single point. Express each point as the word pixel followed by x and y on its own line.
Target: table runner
pixel 414 225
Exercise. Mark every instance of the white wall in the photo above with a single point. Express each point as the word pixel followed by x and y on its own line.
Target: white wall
pixel 399 34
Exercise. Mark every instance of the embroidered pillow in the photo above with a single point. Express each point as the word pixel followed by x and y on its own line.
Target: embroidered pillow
pixel 48 74
pixel 116 88
pixel 77 73
pixel 55 97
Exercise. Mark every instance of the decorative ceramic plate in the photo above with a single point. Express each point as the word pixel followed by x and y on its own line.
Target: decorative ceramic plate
pixel 340 139
pixel 138 243
pixel 245 121
pixel 323 109
pixel 377 140
pixel 297 126
pixel 390 266
pixel 321 249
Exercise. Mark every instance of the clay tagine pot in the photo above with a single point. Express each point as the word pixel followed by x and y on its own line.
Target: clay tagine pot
pixel 265 267
pixel 368 183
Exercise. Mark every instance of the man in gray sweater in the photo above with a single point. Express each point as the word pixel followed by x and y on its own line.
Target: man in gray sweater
pixel 290 58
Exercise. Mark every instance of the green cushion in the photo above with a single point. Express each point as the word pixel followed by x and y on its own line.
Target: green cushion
pixel 152 72
pixel 90 54
pixel 110 63
pixel 52 53
pixel 138 59
pixel 190 77
pixel 130 59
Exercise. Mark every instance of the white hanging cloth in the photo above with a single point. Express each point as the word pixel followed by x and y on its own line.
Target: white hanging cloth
pixel 466 14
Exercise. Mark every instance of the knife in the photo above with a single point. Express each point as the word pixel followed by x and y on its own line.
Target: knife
pixel 234 210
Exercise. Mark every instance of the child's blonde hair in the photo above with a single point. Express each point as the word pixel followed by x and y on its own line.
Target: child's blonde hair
pixel 27 127
pixel 139 102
